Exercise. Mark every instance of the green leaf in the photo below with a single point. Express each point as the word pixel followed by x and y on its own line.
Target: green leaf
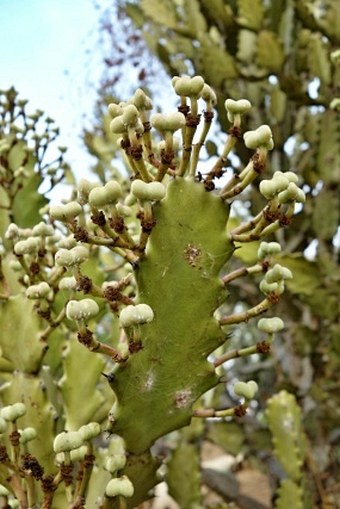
pixel 28 201
pixel 17 155
pixel 269 51
pixel 160 11
pixel 134 12
pixel 318 58
pixel 228 435
pixel 20 328
pixel 250 13
pixel 183 478
pixel 196 21
pixel 325 224
pixel 218 11
pixel 82 399
pixel 328 155
pixel 246 45
pixel 217 64
pixel 278 104
pixel 40 414
pixel 305 274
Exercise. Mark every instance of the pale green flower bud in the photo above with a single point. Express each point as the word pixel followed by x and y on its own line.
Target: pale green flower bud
pixel 281 180
pixel 81 309
pixel 117 125
pixel 105 195
pixel 68 283
pixel 42 230
pixel 84 189
pixel 74 256
pixel 278 273
pixel 268 189
pixel 190 87
pixel 246 389
pixel 261 137
pixel 270 325
pixel 141 100
pixel 38 291
pixel 134 315
pixel 208 94
pixel 89 431
pixel 12 231
pixel 268 288
pixel 25 233
pixel 171 122
pixel 113 191
pixel 67 242
pixel 12 412
pixel 130 115
pixel 27 434
pixel 115 463
pixel 121 486
pixel 28 246
pixel 79 454
pixel 148 190
pixel 115 110
pixel 268 249
pixel 236 108
pixel 291 193
pixel 65 212
pixel 67 441
pixel 291 176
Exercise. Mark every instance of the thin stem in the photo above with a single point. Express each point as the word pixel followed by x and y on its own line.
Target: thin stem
pixel 262 347
pixel 261 308
pixel 238 411
pixel 197 147
pixel 53 325
pixel 31 498
pixel 246 180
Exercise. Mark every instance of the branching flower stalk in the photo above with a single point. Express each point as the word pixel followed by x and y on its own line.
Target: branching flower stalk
pixel 168 223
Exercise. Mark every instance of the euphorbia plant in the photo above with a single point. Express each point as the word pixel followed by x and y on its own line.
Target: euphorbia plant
pixel 167 230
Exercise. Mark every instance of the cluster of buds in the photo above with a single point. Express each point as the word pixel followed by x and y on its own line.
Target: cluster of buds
pixel 282 187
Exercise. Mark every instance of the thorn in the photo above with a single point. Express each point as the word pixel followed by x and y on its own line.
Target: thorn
pixel 109 377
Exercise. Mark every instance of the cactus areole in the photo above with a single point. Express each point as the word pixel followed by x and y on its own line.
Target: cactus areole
pixel 178 279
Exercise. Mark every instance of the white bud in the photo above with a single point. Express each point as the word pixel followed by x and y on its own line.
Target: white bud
pixel 67 441
pixel 12 412
pixel 81 309
pixel 38 291
pixel 154 191
pixel 90 430
pixel 270 325
pixel 121 486
pixel 246 389
pixel 134 315
pixel 261 137
pixel 68 283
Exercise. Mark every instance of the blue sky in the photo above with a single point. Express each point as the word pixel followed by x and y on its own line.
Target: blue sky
pixel 48 51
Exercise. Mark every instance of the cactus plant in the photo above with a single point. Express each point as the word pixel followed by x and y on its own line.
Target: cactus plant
pixel 168 315
pixel 284 420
